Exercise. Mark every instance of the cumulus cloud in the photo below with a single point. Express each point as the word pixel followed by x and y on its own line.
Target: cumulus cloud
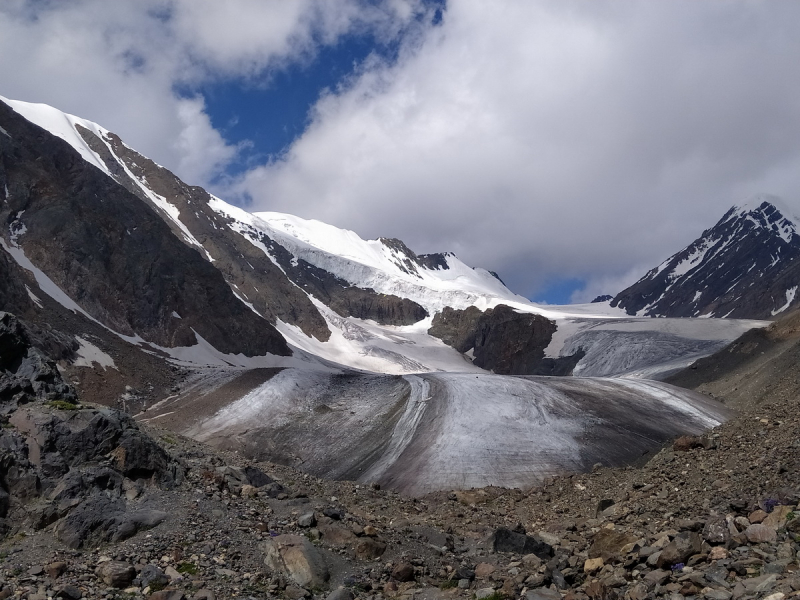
pixel 543 140
pixel 555 140
pixel 120 63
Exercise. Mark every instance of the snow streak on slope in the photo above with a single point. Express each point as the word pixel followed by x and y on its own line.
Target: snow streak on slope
pixel 63 125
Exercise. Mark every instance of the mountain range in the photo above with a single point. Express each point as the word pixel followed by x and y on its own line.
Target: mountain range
pixel 272 334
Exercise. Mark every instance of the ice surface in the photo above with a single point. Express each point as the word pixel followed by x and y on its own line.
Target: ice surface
pixel 449 431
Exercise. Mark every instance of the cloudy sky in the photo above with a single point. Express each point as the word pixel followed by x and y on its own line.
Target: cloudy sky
pixel 567 145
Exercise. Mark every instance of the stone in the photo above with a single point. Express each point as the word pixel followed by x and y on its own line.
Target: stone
pixel 204 594
pixel 341 594
pixel 684 545
pixel 686 443
pixel 505 540
pixel 718 553
pixel 484 593
pixel 116 573
pixel 716 532
pixel 403 572
pixel 777 518
pixel 757 516
pixel 69 592
pixel 151 575
pixel 370 531
pixel 608 543
pixel 592 565
pixel 292 592
pixel 654 578
pixel 55 569
pixel 336 536
pixel 256 477
pixel 483 570
pixel 598 590
pixel 307 520
pixel 167 595
pixel 369 548
pixel 296 557
pixel 759 533
pixel 712 594
pixel 172 573
pixel 542 593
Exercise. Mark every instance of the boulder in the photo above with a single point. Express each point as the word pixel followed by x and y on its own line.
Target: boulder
pixel 608 543
pixel 505 540
pixel 296 557
pixel 680 549
pixel 115 573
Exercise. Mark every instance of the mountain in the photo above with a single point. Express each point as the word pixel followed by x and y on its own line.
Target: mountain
pixel 262 331
pixel 746 266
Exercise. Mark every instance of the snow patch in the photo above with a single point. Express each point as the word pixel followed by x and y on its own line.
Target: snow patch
pixel 89 354
pixel 790 294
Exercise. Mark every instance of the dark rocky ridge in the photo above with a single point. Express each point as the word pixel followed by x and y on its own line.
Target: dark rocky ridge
pixel 503 340
pixel 745 273
pixel 252 274
pixel 244 266
pixel 112 254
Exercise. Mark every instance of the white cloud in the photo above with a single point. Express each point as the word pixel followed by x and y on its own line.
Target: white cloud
pixel 550 140
pixel 539 139
pixel 119 63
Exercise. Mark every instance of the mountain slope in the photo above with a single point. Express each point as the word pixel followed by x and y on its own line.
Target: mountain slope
pixel 112 256
pixel 337 299
pixel 746 266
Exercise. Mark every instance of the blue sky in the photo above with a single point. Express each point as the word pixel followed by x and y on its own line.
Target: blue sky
pixel 569 146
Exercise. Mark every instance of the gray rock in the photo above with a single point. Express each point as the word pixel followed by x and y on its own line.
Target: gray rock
pixel 297 558
pixel 151 575
pixel 307 520
pixel 483 593
pixel 680 549
pixel 542 593
pixel 405 572
pixel 115 573
pixel 341 594
pixel 69 592
pixel 505 540
pixel 760 533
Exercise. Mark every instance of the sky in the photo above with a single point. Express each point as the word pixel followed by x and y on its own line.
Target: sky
pixel 569 146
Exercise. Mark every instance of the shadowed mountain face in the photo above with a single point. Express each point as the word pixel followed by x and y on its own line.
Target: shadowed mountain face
pixel 746 266
pixel 111 253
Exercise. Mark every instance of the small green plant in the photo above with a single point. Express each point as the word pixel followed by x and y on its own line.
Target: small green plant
pixel 157 586
pixel 791 515
pixel 168 439
pixel 187 568
pixel 448 584
pixel 62 405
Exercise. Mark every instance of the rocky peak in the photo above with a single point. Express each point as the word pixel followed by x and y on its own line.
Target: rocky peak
pixel 744 267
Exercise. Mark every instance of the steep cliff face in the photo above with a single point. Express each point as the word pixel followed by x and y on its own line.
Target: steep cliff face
pixel 111 253
pixel 501 339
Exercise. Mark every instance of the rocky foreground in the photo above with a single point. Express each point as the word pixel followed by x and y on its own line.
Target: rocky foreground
pixel 95 506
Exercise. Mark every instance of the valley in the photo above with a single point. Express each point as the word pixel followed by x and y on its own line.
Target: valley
pixel 176 341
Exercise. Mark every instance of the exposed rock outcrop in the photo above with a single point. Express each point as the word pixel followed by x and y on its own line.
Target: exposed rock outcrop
pixel 502 340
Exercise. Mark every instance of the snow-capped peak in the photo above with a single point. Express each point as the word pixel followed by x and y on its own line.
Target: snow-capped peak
pixel 768 211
